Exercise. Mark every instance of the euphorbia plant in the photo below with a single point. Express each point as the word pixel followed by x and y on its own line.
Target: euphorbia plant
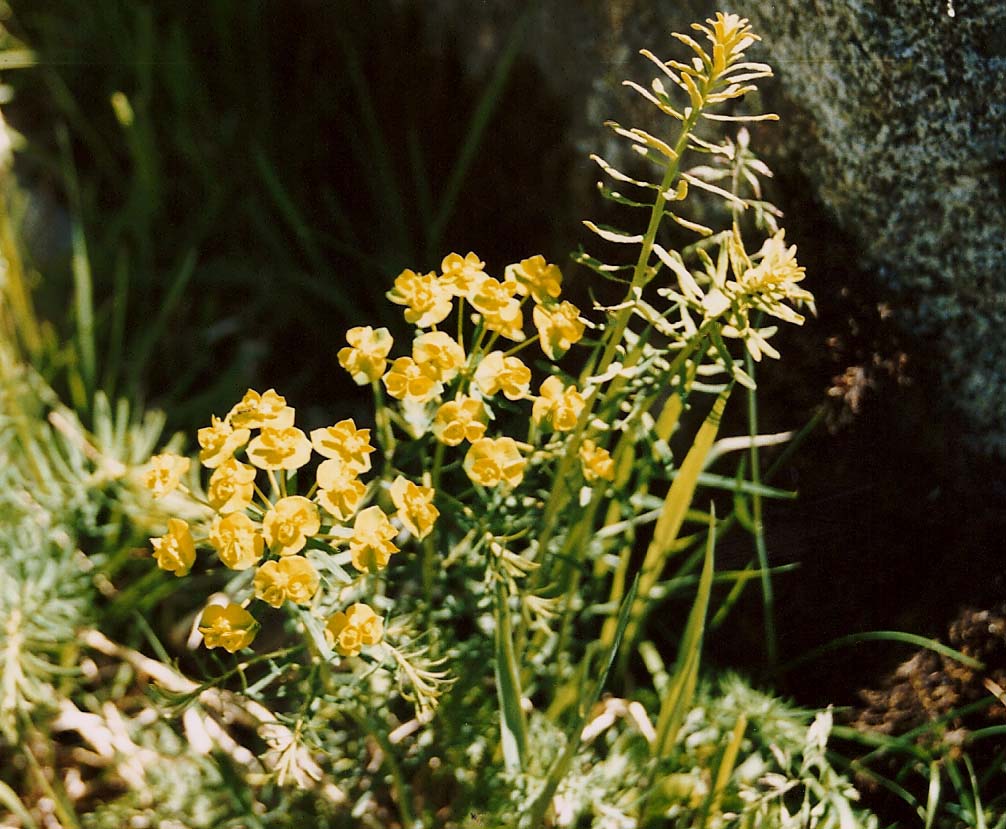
pixel 480 532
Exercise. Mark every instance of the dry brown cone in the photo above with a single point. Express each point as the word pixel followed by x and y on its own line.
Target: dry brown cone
pixel 929 685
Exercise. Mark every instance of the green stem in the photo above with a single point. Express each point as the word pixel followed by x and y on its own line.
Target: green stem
pixel 768 597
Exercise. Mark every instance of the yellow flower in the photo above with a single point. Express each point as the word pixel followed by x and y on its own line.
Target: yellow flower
pixel 441 351
pixel 499 308
pixel 409 380
pixel 415 506
pixel 460 420
pixel 258 410
pixel 289 524
pixel 364 357
pixel 164 473
pixel 358 626
pixel 462 276
pixel 490 461
pixel 339 490
pixel 560 404
pixel 536 277
pixel 175 551
pixel 293 578
pixel 232 486
pixel 286 448
pixel 219 441
pixel 346 442
pixel 596 461
pixel 774 279
pixel 428 302
pixel 370 546
pixel 237 540
pixel 497 372
pixel 231 628
pixel 558 327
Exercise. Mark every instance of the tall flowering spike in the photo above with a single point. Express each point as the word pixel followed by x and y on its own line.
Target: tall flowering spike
pixel 365 356
pixel 559 404
pixel 492 461
pixel 426 301
pixel 460 420
pixel 409 380
pixel 164 473
pixel 290 579
pixel 536 277
pixel 462 276
pixel 237 540
pixel 219 441
pixel 286 448
pixel 559 326
pixel 370 546
pixel 232 486
pixel 339 490
pixel 349 631
pixel 230 627
pixel 346 442
pixel 440 351
pixel 730 35
pixel 507 374
pixel 255 411
pixel 415 506
pixel 289 524
pixel 175 551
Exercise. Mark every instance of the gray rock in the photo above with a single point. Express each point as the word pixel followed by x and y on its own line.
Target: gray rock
pixel 905 108
pixel 894 110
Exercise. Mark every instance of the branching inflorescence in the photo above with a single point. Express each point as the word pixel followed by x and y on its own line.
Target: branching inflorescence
pixel 489 489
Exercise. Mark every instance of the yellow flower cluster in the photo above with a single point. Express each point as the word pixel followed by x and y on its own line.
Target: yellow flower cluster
pixel 439 372
pixel 272 534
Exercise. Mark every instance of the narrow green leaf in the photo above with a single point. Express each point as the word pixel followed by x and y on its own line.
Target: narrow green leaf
pixel 513 725
pixel 891 636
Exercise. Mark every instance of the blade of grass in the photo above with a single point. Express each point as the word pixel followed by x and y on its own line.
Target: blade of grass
pixel 715 800
pixel 758 528
pixel 387 194
pixel 533 819
pixel 889 636
pixel 513 725
pixel 488 101
pixel 10 801
pixel 678 699
pixel 676 504
pixel 979 811
pixel 933 798
pixel 159 325
pixel 83 288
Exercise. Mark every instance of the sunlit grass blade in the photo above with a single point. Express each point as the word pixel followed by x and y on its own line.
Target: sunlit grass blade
pixel 678 699
pixel 727 764
pixel 933 797
pixel 676 504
